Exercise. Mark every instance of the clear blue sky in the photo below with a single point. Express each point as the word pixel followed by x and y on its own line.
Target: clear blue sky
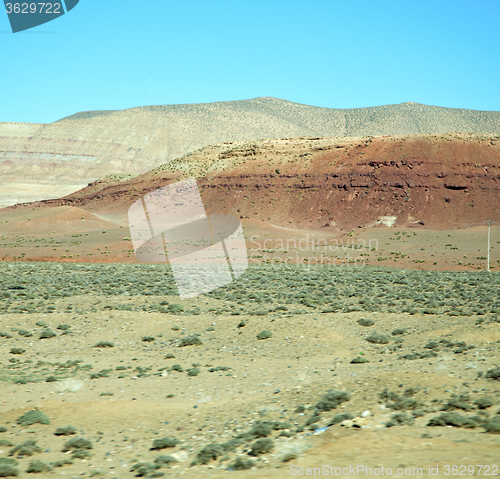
pixel 347 54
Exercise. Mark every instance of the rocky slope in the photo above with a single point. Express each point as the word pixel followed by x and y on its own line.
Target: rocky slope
pixel 438 181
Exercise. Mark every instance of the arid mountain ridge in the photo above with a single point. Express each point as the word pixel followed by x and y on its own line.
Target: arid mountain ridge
pixel 89 145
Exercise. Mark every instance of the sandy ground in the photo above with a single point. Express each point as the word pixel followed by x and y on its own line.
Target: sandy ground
pixel 67 233
pixel 123 412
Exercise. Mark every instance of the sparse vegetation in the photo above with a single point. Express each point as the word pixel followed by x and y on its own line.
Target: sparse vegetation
pixel 33 417
pixel 378 339
pixel 164 443
pixel 452 419
pixel 192 340
pixel 17 350
pixel 104 344
pixel 77 444
pixel 47 333
pixel 332 399
pixel 265 335
pixel 27 448
pixel 7 470
pixel 65 431
pixel 261 446
pixel 38 467
pixel 359 360
pixel 493 373
pixel 366 322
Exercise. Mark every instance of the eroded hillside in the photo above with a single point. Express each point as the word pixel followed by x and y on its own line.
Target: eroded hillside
pixel 437 181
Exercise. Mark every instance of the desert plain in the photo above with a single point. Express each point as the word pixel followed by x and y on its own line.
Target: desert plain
pixel 363 338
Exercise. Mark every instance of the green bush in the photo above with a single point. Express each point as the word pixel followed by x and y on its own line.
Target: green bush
pixel 65 431
pixel 262 429
pixel 413 356
pixel 460 402
pixel 378 339
pixel 165 460
pixel 265 335
pixel 144 469
pixel 359 360
pixel 313 419
pixel 261 446
pixel 332 399
pixel 62 463
pixel 209 453
pixel 37 467
pixel 77 443
pixel 340 418
pixel 8 471
pixel 232 444
pixel 47 333
pixel 164 443
pixel 103 373
pixel 366 322
pixel 17 350
pixel 452 419
pixel 241 465
pixel 493 373
pixel 147 338
pixel 104 344
pixel 193 372
pixel 3 429
pixel 193 340
pixel 27 448
pixel 33 417
pixel 175 308
pixel 493 427
pixel 399 419
pixel 81 454
pixel 398 332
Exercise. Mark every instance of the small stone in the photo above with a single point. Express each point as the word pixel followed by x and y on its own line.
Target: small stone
pixel 360 421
